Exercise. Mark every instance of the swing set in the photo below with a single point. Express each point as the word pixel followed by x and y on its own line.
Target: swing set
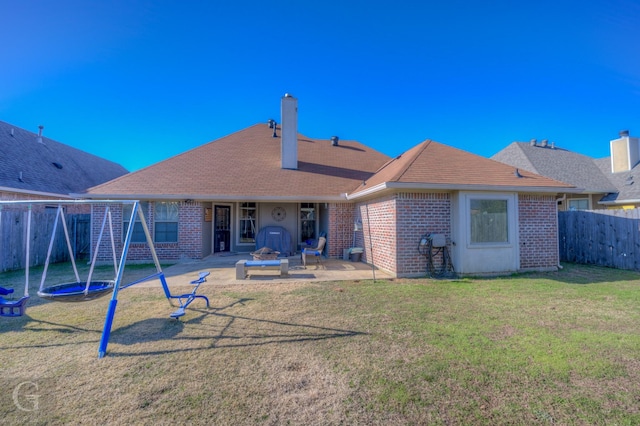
pixel 88 289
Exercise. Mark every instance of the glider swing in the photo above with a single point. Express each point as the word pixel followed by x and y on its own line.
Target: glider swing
pixel 85 290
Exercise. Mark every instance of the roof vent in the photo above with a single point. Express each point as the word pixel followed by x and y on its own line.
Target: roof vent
pixel 543 143
pixel 12 135
pixel 517 174
pixel 553 145
pixel 20 177
pixel 624 133
pixel 275 127
pixel 39 139
pixel 533 142
pixel 57 165
pixel 271 122
pixel 334 140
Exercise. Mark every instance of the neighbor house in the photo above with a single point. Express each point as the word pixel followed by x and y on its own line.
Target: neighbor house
pixel 602 183
pixel 219 196
pixel 33 166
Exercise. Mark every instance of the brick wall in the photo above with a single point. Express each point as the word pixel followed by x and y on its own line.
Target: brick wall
pixel 189 245
pixel 340 232
pixel 420 214
pixel 378 236
pixel 538 229
pixel 393 225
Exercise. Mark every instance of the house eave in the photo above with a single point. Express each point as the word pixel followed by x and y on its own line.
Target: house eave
pixel 619 202
pixel 395 186
pixel 216 197
pixel 36 193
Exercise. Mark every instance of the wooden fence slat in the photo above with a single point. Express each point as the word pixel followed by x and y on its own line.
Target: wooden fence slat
pixel 608 238
pixel 13 229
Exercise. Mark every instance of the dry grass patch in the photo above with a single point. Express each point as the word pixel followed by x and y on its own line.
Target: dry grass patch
pixel 527 349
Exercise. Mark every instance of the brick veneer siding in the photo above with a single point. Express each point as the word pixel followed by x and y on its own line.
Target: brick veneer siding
pixel 189 245
pixel 393 225
pixel 340 232
pixel 378 236
pixel 538 229
pixel 420 214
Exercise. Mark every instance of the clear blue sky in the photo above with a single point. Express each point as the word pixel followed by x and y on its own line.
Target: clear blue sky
pixel 140 81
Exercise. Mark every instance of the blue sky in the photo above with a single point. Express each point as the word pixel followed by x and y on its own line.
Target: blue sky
pixel 140 81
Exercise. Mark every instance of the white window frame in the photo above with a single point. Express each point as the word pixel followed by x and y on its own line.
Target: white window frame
pixel 138 235
pixel 240 224
pixel 569 200
pixel 158 220
pixel 509 215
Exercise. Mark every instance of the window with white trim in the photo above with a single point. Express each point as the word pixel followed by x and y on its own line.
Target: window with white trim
pixel 578 203
pixel 138 232
pixel 247 227
pixel 489 221
pixel 166 222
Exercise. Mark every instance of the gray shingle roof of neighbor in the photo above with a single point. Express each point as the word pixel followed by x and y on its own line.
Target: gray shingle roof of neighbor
pixel 28 165
pixel 627 183
pixel 559 164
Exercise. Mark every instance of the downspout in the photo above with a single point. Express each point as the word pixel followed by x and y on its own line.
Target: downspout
pixel 564 198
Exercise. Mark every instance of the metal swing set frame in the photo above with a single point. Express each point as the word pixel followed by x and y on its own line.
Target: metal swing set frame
pixel 88 290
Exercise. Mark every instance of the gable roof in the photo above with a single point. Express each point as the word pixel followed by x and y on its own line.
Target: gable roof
pixel 48 168
pixel 566 166
pixel 626 184
pixel 246 166
pixel 432 165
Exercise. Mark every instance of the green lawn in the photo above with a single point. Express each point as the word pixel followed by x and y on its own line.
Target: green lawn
pixel 540 348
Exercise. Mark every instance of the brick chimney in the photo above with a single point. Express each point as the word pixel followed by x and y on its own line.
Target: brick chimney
pixel 625 152
pixel 289 137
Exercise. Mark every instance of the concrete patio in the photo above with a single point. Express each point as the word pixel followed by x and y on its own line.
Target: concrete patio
pixel 223 271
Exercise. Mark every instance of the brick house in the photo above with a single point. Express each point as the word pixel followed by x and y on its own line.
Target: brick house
pixel 217 197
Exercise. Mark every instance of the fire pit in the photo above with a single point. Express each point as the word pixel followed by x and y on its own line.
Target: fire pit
pixel 265 253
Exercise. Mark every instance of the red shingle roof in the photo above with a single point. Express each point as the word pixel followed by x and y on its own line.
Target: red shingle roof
pixel 437 166
pixel 246 166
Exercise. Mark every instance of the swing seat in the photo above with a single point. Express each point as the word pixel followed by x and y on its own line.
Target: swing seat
pixel 9 308
pixel 5 291
pixel 75 292
pixel 178 313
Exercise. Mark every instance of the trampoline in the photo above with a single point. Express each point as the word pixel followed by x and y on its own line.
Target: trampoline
pixel 77 292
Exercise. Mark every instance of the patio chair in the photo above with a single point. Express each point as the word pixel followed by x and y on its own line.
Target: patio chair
pixel 317 252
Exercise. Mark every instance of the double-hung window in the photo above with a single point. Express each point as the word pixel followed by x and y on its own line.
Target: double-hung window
pixel 138 232
pixel 166 222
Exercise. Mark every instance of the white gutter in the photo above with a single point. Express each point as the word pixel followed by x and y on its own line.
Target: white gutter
pixel 210 197
pixel 39 193
pixel 623 202
pixel 457 187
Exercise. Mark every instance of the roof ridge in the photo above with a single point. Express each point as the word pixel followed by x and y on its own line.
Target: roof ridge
pixel 393 160
pixel 420 148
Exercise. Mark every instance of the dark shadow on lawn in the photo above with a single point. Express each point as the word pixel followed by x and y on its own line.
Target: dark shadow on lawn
pixel 227 333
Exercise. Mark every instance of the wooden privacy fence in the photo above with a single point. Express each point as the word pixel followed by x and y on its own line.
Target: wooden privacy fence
pixel 601 237
pixel 13 231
